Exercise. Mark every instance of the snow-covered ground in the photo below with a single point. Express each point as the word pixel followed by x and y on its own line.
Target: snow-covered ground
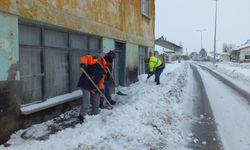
pixel 234 70
pixel 231 113
pixel 150 117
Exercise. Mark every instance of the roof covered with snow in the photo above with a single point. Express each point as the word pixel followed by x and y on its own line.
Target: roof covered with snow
pixel 245 45
pixel 162 50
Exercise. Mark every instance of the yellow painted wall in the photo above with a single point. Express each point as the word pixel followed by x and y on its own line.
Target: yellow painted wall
pixel 119 19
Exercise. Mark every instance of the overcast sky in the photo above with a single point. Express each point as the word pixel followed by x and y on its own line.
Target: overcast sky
pixel 178 21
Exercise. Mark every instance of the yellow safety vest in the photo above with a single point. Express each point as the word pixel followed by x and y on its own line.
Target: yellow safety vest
pixel 153 63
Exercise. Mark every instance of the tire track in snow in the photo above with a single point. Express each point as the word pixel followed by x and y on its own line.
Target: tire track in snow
pixel 204 130
pixel 231 111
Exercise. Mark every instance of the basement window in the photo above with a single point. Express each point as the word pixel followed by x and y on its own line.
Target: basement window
pixel 145 8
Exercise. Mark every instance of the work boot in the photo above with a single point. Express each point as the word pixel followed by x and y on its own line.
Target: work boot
pixel 81 119
pixel 112 102
pixel 95 111
pixel 158 83
pixel 101 105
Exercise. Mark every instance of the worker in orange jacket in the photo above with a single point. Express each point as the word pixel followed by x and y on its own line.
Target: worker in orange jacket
pixel 96 70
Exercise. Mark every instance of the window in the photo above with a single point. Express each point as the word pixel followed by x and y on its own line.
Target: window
pixel 94 43
pixel 49 61
pixel 145 7
pixel 247 56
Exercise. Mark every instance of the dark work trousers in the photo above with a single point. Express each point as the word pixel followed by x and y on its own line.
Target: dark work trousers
pixel 87 99
pixel 107 89
pixel 158 74
pixel 106 92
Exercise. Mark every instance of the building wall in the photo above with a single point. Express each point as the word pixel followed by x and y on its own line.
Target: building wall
pixel 108 44
pixel 119 19
pixel 244 52
pixel 132 53
pixel 9 75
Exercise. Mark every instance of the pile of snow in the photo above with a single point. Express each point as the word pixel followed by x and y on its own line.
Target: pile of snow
pixel 234 70
pixel 150 117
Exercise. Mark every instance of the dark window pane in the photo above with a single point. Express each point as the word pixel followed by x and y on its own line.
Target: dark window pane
pixel 75 71
pixel 94 43
pixel 55 38
pixel 78 41
pixel 29 35
pixel 56 69
pixel 30 71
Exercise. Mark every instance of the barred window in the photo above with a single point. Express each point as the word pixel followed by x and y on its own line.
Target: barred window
pixel 145 7
pixel 49 61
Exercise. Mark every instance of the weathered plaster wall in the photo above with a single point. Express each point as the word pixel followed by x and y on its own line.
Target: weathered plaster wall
pixel 132 62
pixel 8 47
pixel 108 44
pixel 118 19
pixel 9 75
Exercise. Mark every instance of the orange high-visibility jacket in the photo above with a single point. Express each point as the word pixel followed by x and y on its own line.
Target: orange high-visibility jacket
pixel 96 70
pixel 103 63
pixel 88 59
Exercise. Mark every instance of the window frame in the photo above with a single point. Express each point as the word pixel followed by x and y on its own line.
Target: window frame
pixel 247 57
pixel 145 8
pixel 71 52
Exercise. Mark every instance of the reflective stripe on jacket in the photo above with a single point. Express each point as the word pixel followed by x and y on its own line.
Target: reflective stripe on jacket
pixel 153 63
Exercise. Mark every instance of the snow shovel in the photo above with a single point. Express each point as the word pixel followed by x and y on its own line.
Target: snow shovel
pixel 118 92
pixel 99 91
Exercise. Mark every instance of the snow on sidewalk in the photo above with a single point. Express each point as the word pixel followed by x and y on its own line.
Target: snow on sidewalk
pixel 150 117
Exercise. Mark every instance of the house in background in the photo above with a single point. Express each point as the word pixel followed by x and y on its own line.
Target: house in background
pixel 170 51
pixel 241 54
pixel 41 43
pixel 165 54
pixel 194 56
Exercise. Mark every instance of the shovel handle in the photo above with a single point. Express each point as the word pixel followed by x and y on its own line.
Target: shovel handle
pixel 112 77
pixel 99 91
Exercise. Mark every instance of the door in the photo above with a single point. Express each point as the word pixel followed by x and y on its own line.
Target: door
pixel 119 63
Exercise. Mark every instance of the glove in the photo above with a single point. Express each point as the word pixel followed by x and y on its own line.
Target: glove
pixel 149 75
pixel 83 65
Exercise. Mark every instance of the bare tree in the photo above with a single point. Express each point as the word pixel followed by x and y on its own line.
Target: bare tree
pixel 227 47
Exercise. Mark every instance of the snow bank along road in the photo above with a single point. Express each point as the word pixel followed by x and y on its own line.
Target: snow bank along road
pixel 231 112
pixel 150 117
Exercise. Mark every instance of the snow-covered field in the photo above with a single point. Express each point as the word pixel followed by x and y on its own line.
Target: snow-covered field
pixel 150 117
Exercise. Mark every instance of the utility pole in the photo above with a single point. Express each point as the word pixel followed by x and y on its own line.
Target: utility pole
pixel 201 36
pixel 215 28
